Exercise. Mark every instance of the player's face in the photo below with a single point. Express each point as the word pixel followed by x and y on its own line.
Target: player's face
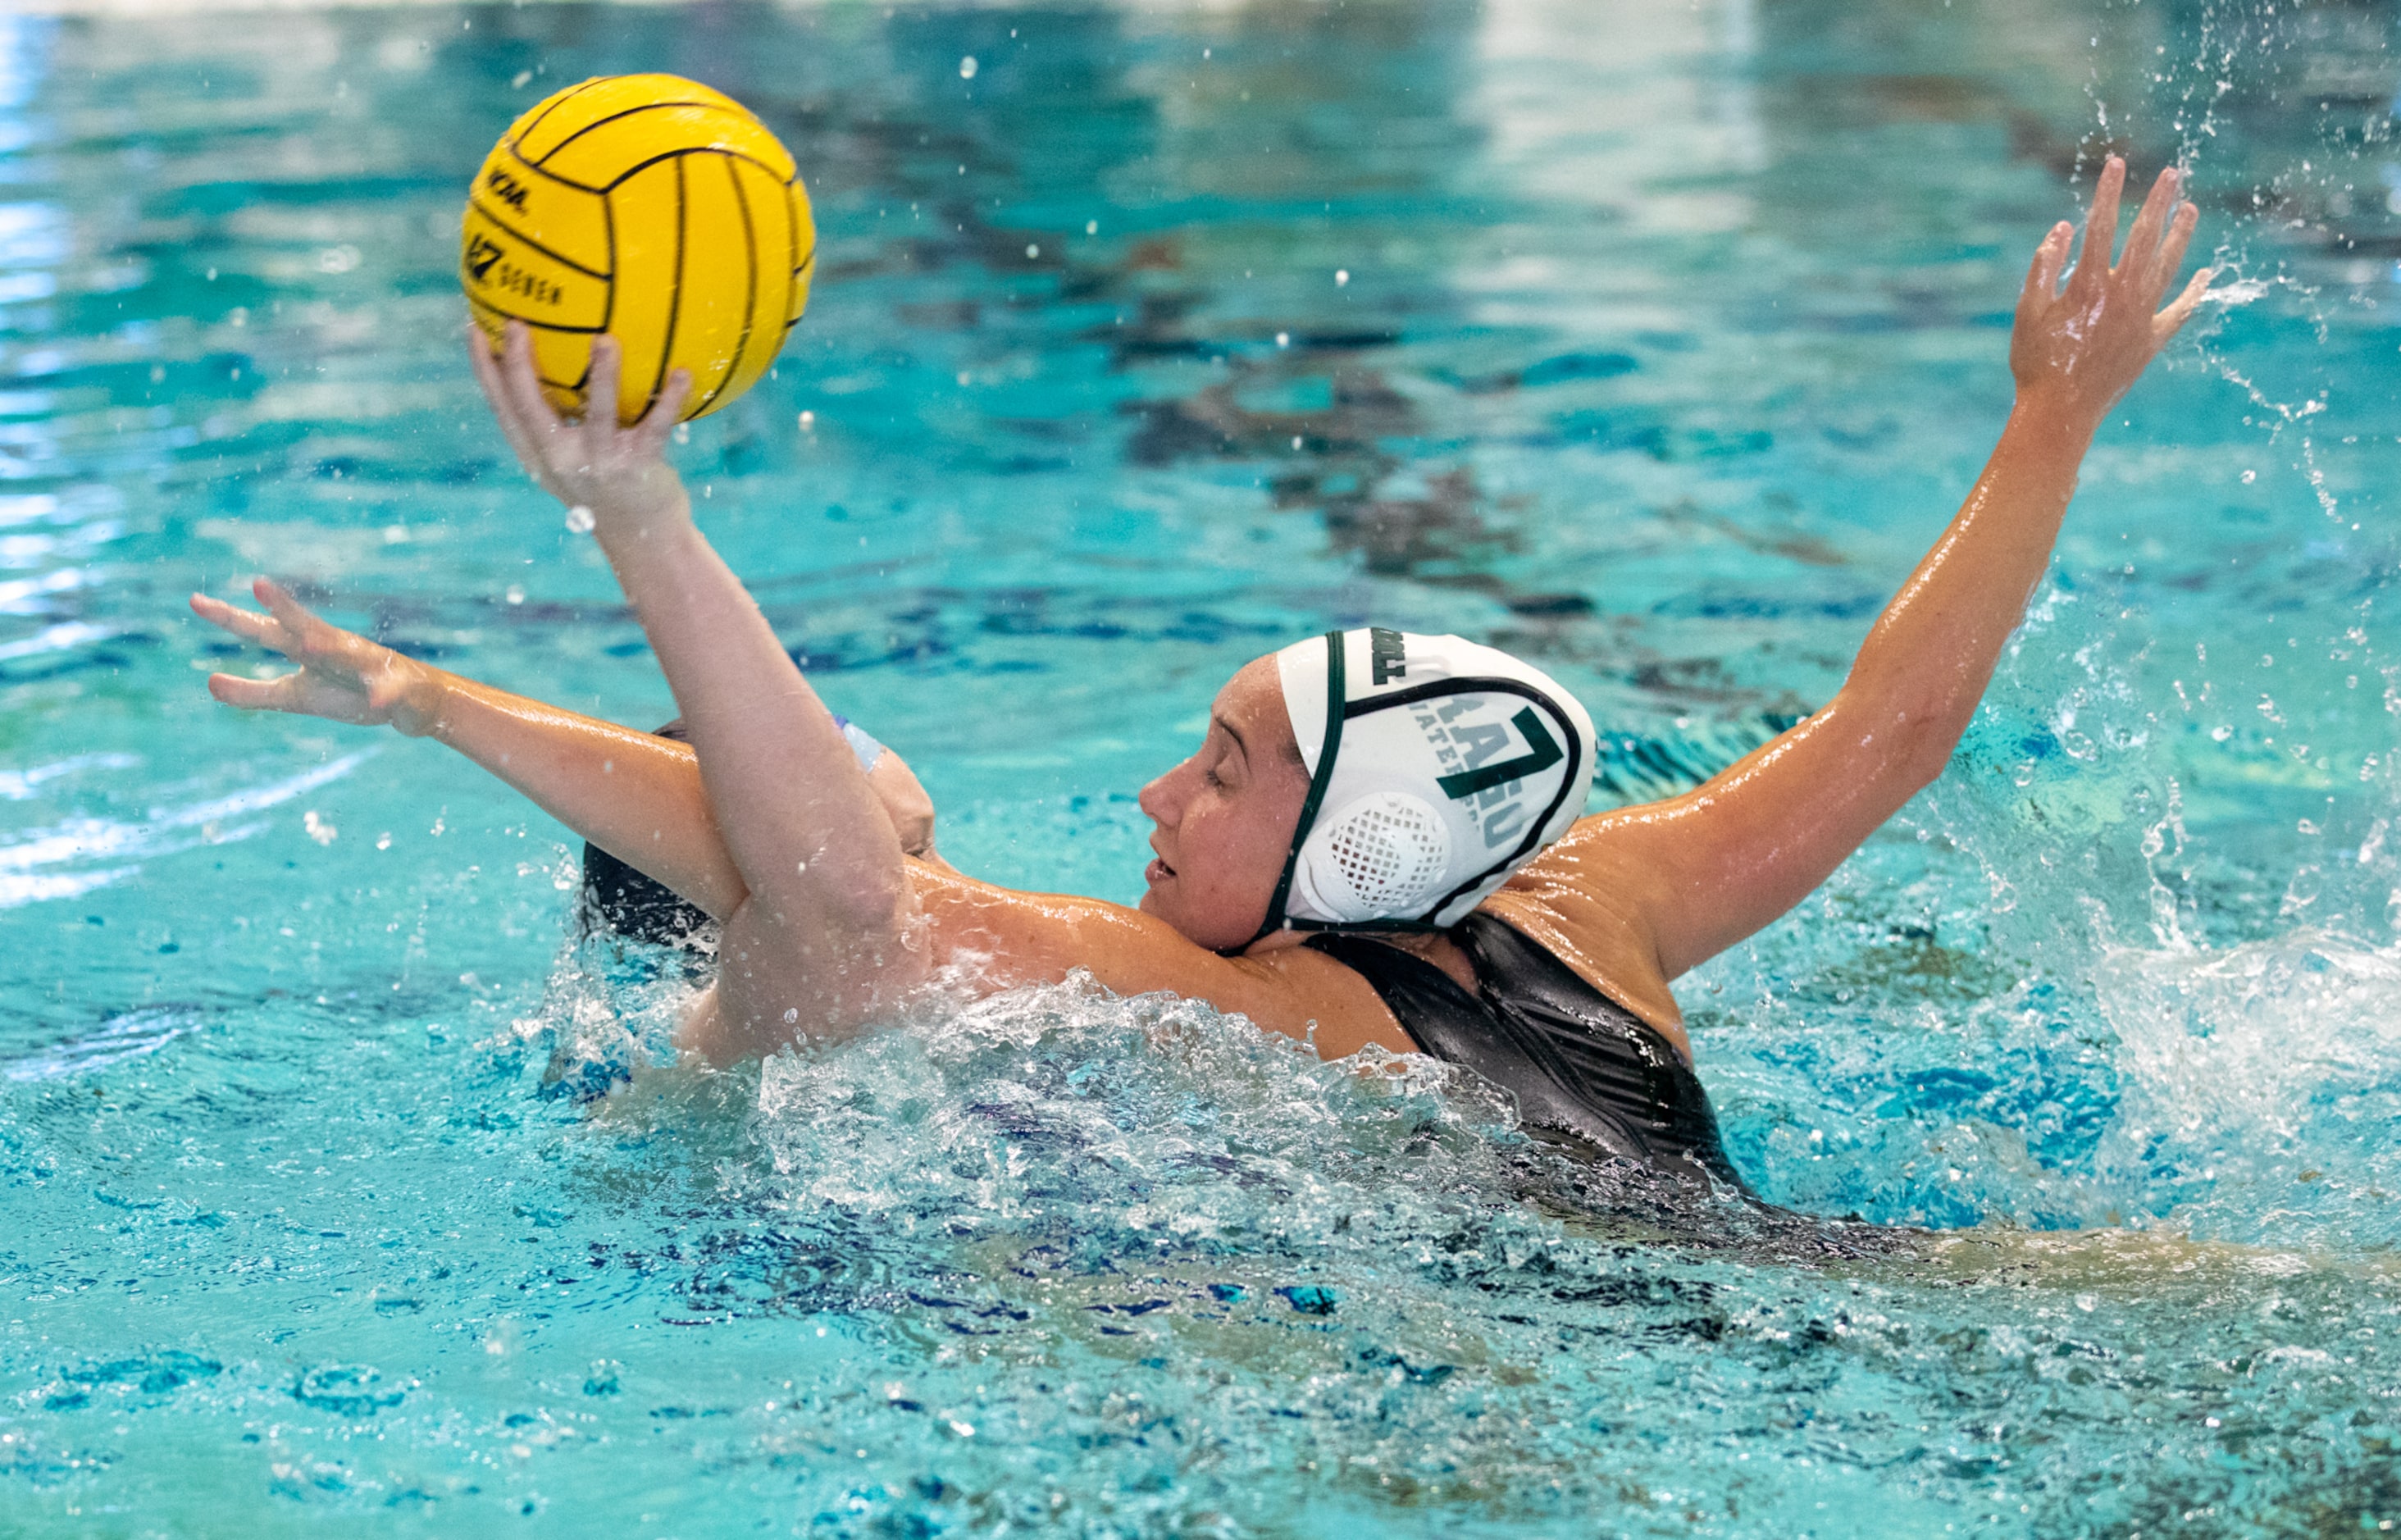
pixel 1225 816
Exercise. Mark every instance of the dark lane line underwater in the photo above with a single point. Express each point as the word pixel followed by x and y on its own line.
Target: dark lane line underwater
pixel 351 1185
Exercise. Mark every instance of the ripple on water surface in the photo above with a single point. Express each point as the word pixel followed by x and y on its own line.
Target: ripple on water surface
pixel 341 1194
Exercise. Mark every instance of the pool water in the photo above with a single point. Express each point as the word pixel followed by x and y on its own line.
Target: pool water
pixel 347 1188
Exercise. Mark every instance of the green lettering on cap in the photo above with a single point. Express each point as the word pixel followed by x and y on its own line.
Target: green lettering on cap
pixel 1543 752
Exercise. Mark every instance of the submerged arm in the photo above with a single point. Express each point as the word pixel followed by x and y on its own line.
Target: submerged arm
pixel 1706 869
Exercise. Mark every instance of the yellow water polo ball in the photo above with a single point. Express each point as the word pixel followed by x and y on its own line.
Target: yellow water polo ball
pixel 649 207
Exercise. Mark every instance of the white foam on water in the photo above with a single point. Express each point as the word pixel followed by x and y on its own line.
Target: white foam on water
pixel 2260 1082
pixel 1177 1122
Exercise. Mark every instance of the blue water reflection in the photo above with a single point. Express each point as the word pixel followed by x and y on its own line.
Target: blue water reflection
pixel 1652 340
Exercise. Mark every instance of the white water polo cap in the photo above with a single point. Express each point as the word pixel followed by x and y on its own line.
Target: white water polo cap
pixel 1436 767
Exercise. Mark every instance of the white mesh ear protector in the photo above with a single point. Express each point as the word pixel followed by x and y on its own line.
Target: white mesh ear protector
pixel 1384 854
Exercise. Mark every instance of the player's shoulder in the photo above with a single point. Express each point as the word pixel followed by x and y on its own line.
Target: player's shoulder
pixel 1598 848
pixel 1018 937
pixel 1588 901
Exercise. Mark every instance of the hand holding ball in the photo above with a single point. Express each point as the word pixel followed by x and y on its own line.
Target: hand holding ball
pixel 651 208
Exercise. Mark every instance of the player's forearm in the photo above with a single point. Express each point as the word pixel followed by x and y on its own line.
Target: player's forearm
pixel 800 820
pixel 636 796
pixel 1924 668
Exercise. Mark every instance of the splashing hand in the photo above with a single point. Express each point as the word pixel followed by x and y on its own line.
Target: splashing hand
pixel 591 461
pixel 2080 347
pixel 343 676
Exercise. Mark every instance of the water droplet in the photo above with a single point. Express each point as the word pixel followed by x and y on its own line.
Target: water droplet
pixel 579 519
pixel 516 593
pixel 1033 251
pixel 1283 339
pixel 967 67
pixel 1342 276
pixel 808 422
pixel 1091 227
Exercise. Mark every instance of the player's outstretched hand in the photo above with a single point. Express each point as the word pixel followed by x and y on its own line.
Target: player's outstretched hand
pixel 591 461
pixel 342 676
pixel 2081 347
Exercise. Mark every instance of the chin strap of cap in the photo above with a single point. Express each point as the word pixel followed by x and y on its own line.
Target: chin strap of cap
pixel 1337 691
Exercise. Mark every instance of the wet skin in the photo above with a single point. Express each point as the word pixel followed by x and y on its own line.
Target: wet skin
pixel 768 823
pixel 1226 815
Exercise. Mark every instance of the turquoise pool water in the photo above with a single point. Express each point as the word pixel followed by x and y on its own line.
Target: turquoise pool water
pixel 1655 340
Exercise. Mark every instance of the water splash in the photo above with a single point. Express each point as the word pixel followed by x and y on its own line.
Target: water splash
pixel 2260 1083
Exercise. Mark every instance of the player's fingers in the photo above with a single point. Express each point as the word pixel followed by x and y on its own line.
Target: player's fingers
pixel 2171 245
pixel 2143 240
pixel 246 624
pixel 479 360
pixel 2042 273
pixel 484 358
pixel 251 695
pixel 2169 321
pixel 603 383
pixel 524 385
pixel 659 423
pixel 2101 223
pixel 504 409
pixel 674 396
pixel 298 622
pixel 521 443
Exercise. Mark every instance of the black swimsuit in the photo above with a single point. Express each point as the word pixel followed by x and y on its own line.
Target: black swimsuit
pixel 1584 1070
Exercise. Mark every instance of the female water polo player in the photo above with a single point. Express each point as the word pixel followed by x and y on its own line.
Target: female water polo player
pixel 1377 842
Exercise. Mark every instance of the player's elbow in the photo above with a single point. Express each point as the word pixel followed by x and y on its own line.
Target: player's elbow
pixel 905 803
pixel 1926 767
pixel 1897 745
pixel 912 820
pixel 867 901
pixel 1923 744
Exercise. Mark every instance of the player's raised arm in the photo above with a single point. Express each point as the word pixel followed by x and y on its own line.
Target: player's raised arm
pixel 820 942
pixel 1706 869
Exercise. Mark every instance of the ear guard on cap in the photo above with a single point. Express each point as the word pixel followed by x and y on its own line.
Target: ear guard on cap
pixel 1436 766
pixel 1384 854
